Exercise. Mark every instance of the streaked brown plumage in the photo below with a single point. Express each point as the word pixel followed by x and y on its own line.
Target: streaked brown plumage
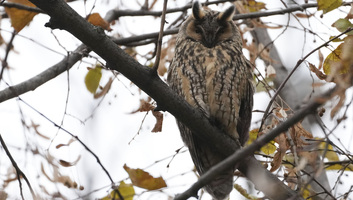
pixel 210 71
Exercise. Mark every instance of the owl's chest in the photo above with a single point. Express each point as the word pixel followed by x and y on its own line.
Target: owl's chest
pixel 210 63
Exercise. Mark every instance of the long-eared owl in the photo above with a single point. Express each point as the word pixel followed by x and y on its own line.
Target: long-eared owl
pixel 211 73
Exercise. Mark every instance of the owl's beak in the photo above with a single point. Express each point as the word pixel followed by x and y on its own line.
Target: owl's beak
pixel 209 40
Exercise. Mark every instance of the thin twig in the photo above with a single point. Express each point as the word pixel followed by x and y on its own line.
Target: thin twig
pixel 80 141
pixel 8 49
pixel 18 170
pixel 294 69
pixel 160 37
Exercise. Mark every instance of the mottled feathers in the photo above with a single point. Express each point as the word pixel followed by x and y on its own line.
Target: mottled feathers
pixel 210 72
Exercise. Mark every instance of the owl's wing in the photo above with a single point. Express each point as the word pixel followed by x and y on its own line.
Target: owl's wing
pixel 205 157
pixel 245 111
pixel 191 89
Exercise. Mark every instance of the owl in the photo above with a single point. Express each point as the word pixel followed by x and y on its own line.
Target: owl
pixel 211 73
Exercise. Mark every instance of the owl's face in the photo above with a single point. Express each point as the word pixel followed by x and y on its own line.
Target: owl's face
pixel 208 27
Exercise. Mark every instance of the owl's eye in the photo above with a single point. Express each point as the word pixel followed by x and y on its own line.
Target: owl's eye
pixel 198 30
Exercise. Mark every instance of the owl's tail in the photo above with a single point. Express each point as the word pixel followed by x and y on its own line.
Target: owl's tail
pixel 204 158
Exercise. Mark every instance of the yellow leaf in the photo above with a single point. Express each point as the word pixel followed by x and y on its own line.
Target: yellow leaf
pixel 252 136
pixel 93 78
pixel 126 190
pixel 19 17
pixel 340 167
pixel 307 193
pixel 328 5
pixel 330 154
pixel 97 20
pixel 334 61
pixel 269 148
pixel 243 192
pixel 254 6
pixel 144 180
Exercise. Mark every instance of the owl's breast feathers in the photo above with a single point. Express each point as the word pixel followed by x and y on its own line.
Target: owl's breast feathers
pixel 217 81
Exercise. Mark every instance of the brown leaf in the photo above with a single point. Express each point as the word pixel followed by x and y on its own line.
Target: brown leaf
pixel 69 164
pixel 302 15
pixel 321 59
pixel 63 145
pixel 35 127
pixel 97 20
pixel 283 146
pixel 144 106
pixel 350 13
pixel 277 161
pixel 144 180
pixel 105 89
pixel 159 117
pixel 318 73
pixel 66 180
pixel 299 134
pixel 20 17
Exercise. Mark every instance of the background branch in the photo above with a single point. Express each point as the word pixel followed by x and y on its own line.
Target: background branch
pixel 19 172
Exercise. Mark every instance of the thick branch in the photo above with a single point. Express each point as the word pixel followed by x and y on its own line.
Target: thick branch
pixel 45 76
pixel 145 79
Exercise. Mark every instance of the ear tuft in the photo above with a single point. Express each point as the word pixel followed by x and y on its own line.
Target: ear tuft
pixel 227 15
pixel 197 11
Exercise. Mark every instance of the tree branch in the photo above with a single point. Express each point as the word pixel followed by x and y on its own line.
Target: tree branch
pixel 160 37
pixel 145 79
pixel 45 76
pixel 18 170
pixel 21 7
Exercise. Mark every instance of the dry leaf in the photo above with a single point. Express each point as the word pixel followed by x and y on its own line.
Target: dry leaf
pixel 105 89
pixel 69 164
pixel 144 106
pixel 350 13
pixel 318 73
pixel 63 145
pixel 126 190
pixel 302 15
pixel 270 72
pixel 277 161
pixel 159 117
pixel 19 17
pixel 97 20
pixel 35 127
pixel 143 179
pixel 321 59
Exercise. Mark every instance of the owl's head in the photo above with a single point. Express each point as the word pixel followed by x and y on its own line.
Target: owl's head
pixel 209 27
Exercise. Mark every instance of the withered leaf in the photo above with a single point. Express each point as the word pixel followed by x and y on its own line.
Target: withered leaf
pixel 159 121
pixel 19 17
pixel 97 20
pixel 143 179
